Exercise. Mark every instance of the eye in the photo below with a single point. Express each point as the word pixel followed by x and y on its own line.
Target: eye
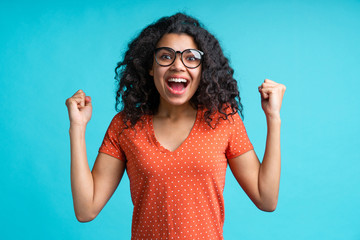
pixel 191 55
pixel 191 58
pixel 165 56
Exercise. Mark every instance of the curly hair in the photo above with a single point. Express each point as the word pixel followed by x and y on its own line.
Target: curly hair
pixel 137 95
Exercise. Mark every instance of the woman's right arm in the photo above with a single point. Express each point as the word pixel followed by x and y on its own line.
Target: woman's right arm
pixel 90 189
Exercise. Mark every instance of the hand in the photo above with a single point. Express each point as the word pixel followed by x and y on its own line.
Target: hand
pixel 79 108
pixel 271 97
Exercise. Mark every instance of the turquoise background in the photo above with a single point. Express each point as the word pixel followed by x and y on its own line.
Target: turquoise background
pixel 49 50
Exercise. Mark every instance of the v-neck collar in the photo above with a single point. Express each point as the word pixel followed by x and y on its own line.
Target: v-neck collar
pixel 151 131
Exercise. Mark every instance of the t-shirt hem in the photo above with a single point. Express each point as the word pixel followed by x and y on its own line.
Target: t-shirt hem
pixel 239 153
pixel 111 154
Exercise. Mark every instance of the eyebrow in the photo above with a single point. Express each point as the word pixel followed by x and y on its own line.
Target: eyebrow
pixel 178 50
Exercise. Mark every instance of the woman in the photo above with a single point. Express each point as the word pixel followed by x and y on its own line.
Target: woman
pixel 178 129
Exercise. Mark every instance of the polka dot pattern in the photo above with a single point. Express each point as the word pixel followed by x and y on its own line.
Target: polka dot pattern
pixel 179 194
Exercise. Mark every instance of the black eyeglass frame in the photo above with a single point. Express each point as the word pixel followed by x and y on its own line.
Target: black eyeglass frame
pixel 181 56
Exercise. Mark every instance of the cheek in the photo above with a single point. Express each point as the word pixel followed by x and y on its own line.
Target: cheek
pixel 158 72
pixel 196 75
pixel 158 76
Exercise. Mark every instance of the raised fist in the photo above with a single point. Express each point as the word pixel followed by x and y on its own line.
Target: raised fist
pixel 79 108
pixel 271 97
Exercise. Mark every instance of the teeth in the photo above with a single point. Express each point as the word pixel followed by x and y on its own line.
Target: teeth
pixel 181 80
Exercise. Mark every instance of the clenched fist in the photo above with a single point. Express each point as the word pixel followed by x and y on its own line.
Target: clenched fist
pixel 79 108
pixel 271 97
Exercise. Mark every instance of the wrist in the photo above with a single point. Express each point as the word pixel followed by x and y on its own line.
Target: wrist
pixel 77 128
pixel 273 118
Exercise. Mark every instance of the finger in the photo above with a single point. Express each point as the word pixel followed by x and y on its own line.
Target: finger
pixel 264 92
pixel 88 101
pixel 79 92
pixel 72 103
pixel 262 87
pixel 283 88
pixel 275 87
pixel 267 91
pixel 264 95
pixel 80 101
pixel 79 97
pixel 268 84
pixel 269 81
pixel 76 100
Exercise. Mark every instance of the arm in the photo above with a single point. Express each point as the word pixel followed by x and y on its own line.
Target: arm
pixel 261 181
pixel 90 190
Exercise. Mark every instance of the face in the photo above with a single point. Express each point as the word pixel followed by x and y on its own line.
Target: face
pixel 176 83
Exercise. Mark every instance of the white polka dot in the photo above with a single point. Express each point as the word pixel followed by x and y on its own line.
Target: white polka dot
pixel 183 189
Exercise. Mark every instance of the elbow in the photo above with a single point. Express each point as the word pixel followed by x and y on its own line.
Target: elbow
pixel 268 207
pixel 83 218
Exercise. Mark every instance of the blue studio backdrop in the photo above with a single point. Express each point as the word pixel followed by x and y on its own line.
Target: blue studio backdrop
pixel 50 49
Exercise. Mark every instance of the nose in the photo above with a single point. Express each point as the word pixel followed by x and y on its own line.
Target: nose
pixel 178 64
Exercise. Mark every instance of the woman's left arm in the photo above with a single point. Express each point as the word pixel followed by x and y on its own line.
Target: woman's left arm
pixel 261 181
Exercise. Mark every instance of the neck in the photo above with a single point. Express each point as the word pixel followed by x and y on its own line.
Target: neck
pixel 166 110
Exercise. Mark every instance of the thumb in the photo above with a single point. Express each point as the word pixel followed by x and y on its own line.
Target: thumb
pixel 88 101
pixel 264 93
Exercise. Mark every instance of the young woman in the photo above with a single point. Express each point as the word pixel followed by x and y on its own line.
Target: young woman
pixel 177 130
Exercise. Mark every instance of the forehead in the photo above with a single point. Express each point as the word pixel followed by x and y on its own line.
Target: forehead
pixel 176 41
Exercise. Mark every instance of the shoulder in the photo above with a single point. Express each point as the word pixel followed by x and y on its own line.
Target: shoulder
pixel 117 123
pixel 118 119
pixel 225 116
pixel 121 123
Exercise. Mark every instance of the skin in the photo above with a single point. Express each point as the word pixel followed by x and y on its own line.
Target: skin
pixel 168 101
pixel 172 124
pixel 175 116
pixel 261 181
pixel 90 189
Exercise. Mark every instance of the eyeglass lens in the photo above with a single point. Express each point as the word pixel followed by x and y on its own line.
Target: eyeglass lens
pixel 190 57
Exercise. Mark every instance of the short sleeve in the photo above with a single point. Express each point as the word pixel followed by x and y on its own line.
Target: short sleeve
pixel 239 141
pixel 111 143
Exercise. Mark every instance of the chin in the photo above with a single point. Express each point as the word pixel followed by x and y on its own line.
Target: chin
pixel 176 101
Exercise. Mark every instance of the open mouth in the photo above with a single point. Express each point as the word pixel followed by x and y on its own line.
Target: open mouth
pixel 177 85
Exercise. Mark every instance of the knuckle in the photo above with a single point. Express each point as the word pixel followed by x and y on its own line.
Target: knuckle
pixel 81 94
pixel 69 102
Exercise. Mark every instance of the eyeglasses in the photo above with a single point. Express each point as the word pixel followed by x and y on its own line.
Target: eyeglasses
pixel 191 58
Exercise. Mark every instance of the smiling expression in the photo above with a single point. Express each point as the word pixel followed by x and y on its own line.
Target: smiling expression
pixel 176 83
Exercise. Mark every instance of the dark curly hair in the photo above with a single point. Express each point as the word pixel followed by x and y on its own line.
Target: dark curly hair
pixel 217 91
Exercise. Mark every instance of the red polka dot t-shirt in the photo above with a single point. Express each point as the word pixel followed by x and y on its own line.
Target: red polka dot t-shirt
pixel 179 194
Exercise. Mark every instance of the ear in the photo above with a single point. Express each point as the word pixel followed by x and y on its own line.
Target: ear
pixel 151 71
